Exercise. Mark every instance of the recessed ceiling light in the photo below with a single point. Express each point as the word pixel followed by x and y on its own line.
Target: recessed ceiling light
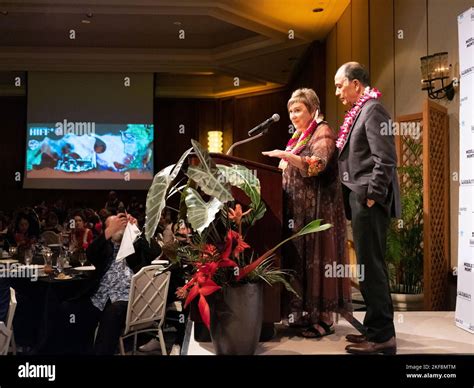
pixel 85 21
pixel 318 10
pixel 177 23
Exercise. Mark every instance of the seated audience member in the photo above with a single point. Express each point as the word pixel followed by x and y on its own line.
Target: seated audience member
pixel 93 222
pixel 52 223
pixel 60 209
pixel 106 302
pixel 171 233
pixel 113 204
pixel 82 236
pixel 23 232
pixel 103 215
pixel 135 206
pixel 4 222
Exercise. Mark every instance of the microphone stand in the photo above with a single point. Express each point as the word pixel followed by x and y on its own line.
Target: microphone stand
pixel 229 151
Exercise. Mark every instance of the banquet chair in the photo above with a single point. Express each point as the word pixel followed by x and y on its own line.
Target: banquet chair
pixel 146 305
pixel 7 340
pixel 50 237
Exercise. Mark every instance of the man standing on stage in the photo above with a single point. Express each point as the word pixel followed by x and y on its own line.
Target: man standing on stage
pixel 367 169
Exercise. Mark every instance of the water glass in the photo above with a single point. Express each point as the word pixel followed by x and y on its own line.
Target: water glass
pixel 28 256
pixel 65 254
pixel 60 263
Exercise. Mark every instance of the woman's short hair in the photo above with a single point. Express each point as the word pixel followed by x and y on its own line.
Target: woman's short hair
pixel 306 96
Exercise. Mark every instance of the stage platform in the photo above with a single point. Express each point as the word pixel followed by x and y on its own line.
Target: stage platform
pixel 418 332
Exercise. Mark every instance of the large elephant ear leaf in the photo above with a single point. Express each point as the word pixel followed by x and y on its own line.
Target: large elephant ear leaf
pixel 156 200
pixel 200 213
pixel 208 176
pixel 179 164
pixel 156 197
pixel 246 180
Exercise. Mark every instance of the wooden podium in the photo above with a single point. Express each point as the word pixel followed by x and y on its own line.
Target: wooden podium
pixel 267 232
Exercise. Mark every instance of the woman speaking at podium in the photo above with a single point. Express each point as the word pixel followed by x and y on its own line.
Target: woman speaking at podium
pixel 312 191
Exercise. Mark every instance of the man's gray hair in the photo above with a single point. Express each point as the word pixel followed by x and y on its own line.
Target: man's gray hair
pixel 354 70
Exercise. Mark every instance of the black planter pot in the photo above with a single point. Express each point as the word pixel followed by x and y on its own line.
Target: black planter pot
pixel 236 319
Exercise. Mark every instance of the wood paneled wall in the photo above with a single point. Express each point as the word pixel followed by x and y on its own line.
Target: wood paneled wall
pixel 368 32
pixel 382 69
pixel 251 111
pixel 347 41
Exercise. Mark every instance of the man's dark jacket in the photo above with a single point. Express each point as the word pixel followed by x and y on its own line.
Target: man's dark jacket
pixel 368 160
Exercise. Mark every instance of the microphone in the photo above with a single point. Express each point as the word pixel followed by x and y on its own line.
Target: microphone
pixel 263 126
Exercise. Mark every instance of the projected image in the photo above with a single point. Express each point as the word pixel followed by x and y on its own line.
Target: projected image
pixel 89 131
pixel 77 148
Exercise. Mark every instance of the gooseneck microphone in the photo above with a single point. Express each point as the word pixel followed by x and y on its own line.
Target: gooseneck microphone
pixel 264 126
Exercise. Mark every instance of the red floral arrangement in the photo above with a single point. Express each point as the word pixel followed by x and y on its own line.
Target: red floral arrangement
pixel 211 259
pixel 209 241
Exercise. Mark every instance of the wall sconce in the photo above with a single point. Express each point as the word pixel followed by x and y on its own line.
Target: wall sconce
pixel 435 71
pixel 215 141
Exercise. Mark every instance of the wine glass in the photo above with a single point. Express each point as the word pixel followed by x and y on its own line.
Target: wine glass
pixel 28 256
pixel 82 258
pixel 12 250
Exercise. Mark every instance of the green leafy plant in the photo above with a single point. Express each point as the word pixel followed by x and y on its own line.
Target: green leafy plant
pixel 213 226
pixel 405 236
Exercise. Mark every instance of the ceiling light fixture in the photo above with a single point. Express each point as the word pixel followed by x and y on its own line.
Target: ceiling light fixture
pixel 177 23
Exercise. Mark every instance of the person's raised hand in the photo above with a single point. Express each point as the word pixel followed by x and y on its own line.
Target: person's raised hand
pixel 131 219
pixel 115 224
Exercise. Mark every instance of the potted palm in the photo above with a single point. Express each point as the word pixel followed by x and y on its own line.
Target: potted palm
pixel 405 239
pixel 225 277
